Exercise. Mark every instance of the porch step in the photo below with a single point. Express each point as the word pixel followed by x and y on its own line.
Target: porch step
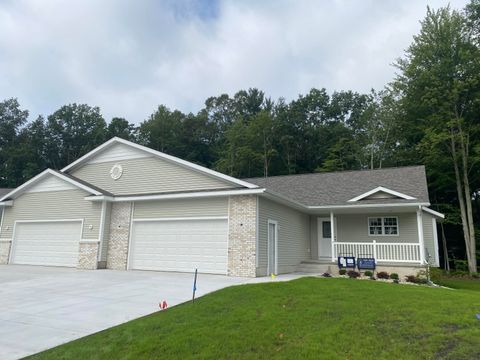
pixel 311 267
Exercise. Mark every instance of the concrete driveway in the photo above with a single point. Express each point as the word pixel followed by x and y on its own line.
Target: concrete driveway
pixel 42 307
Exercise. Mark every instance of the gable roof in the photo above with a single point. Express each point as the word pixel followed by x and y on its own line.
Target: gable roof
pixel 4 191
pixel 49 172
pixel 170 158
pixel 337 188
pixel 381 190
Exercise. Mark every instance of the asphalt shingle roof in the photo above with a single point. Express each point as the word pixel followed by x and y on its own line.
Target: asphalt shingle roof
pixel 336 188
pixel 100 190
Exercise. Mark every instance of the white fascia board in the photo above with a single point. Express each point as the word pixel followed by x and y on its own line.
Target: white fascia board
pixel 382 189
pixel 433 212
pixel 364 206
pixel 167 157
pixel 40 176
pixel 90 154
pixel 286 201
pixel 6 203
pixel 191 195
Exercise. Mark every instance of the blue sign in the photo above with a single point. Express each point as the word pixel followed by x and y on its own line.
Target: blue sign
pixel 366 263
pixel 346 262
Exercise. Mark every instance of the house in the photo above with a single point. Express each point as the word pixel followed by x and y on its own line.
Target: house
pixel 3 192
pixel 125 206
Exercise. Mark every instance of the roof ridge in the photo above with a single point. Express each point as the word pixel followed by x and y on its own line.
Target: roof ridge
pixel 337 172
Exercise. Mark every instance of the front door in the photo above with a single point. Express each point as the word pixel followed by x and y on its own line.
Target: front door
pixel 324 238
pixel 272 247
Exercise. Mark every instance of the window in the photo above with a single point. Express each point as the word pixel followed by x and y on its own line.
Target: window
pixel 383 226
pixel 326 229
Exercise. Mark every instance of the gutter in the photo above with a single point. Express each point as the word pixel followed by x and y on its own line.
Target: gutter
pixel 199 194
pixel 271 195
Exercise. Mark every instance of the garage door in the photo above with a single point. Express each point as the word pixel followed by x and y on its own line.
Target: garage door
pixel 182 245
pixel 46 243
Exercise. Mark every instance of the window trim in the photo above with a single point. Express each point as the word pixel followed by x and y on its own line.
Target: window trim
pixel 383 217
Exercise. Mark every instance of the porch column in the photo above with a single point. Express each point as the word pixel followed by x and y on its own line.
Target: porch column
pixel 332 233
pixel 420 235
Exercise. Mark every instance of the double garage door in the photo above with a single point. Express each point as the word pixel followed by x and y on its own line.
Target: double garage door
pixel 172 245
pixel 52 243
pixel 180 245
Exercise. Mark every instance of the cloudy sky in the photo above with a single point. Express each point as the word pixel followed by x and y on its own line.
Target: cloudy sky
pixel 129 56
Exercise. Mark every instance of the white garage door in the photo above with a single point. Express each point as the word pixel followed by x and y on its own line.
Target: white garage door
pixel 181 245
pixel 46 243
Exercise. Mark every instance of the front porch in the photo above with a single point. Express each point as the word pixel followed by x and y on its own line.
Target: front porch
pixel 392 236
pixel 382 252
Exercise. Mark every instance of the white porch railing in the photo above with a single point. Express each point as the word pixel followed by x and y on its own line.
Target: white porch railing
pixel 384 252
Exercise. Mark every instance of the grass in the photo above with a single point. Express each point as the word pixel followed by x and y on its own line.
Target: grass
pixel 310 318
pixel 459 283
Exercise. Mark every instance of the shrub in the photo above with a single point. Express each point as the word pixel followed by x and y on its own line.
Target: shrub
pixel 368 273
pixel 353 274
pixel 394 276
pixel 325 274
pixel 383 275
pixel 476 275
pixel 411 278
pixel 460 265
pixel 416 279
pixel 342 271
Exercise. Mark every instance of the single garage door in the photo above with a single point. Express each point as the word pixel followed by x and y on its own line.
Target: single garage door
pixel 180 245
pixel 52 243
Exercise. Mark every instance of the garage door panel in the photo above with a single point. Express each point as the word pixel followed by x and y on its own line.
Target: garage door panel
pixel 181 245
pixel 53 243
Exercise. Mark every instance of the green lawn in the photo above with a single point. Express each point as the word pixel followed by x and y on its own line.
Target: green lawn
pixel 459 283
pixel 311 318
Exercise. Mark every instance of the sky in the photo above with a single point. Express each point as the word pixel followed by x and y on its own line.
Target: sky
pixel 128 57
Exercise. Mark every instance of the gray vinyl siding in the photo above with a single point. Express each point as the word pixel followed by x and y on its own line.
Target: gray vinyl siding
pixel 293 236
pixel 54 205
pixel 354 228
pixel 428 237
pixel 148 175
pixel 106 231
pixel 181 208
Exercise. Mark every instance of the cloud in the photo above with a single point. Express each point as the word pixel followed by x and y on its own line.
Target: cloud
pixel 128 57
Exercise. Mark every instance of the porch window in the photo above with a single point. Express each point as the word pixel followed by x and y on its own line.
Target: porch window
pixel 387 225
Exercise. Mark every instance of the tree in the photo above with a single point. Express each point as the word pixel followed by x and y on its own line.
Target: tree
pixel 74 130
pixel 163 131
pixel 374 128
pixel 121 128
pixel 12 119
pixel 440 83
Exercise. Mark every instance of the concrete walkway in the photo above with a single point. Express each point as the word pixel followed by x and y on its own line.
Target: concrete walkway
pixel 42 307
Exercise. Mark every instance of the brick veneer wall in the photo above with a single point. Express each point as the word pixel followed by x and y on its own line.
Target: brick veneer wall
pixel 88 255
pixel 119 234
pixel 4 251
pixel 242 235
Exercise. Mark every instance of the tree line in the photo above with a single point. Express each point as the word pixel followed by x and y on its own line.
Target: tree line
pixel 429 114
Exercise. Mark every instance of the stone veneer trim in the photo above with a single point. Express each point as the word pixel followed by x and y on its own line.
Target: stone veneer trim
pixel 5 246
pixel 119 239
pixel 88 255
pixel 242 235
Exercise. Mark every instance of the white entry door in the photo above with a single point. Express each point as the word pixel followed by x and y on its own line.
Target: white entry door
pixel 52 243
pixel 180 245
pixel 272 247
pixel 324 238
